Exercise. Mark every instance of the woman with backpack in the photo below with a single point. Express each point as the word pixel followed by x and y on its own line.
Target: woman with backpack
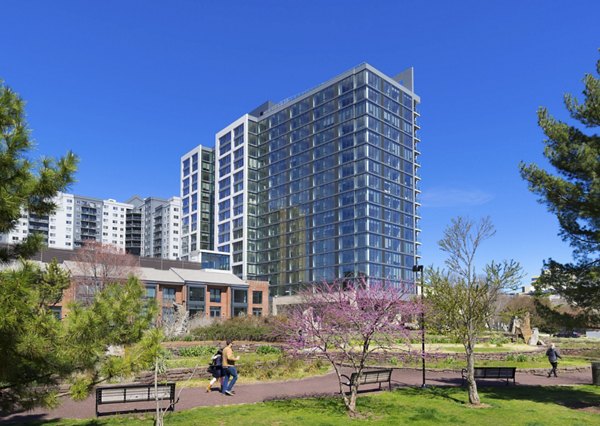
pixel 216 369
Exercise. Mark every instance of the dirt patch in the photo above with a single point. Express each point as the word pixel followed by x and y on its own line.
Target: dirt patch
pixel 591 409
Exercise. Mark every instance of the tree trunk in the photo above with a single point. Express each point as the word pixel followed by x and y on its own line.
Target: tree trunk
pixel 351 406
pixel 158 421
pixel 472 384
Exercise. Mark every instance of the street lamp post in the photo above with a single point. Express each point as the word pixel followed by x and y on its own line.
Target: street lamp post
pixel 419 269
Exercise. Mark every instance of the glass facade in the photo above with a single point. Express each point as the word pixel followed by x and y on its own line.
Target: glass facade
pixel 196 300
pixel 215 261
pixel 322 186
pixel 336 189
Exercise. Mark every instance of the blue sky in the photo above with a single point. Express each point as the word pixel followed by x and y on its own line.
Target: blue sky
pixel 130 86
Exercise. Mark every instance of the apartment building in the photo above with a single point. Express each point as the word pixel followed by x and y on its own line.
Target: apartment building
pixel 147 227
pixel 323 185
pixel 197 195
pixel 159 222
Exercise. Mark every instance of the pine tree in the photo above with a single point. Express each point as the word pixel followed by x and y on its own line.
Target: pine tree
pixel 38 352
pixel 573 195
pixel 23 184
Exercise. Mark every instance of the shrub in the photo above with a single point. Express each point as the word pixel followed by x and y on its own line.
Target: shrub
pixel 517 358
pixel 432 338
pixel 268 349
pixel 256 329
pixel 499 340
pixel 197 351
pixel 283 367
pixel 521 358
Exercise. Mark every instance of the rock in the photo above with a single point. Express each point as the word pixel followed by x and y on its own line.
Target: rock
pixel 535 337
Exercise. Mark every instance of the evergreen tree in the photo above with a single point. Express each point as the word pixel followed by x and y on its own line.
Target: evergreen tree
pixel 30 335
pixel 23 184
pixel 573 195
pixel 38 352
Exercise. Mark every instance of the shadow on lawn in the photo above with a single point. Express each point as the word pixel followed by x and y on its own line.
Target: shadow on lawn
pixel 38 419
pixel 567 396
pixel 324 403
pixel 435 392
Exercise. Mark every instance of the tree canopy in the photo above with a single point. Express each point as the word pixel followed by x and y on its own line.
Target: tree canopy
pixel 573 194
pixel 24 184
pixel 461 299
pixel 38 352
pixel 347 322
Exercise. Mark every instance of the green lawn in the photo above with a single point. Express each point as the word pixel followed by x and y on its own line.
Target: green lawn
pixel 514 405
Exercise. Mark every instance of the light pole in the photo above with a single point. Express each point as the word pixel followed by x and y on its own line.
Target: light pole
pixel 419 268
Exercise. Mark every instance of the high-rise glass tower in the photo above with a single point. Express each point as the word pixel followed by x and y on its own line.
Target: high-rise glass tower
pixel 323 185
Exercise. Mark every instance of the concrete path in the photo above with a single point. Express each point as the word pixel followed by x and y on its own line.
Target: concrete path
pixel 314 386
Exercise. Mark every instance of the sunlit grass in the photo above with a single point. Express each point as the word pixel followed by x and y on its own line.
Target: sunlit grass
pixel 513 405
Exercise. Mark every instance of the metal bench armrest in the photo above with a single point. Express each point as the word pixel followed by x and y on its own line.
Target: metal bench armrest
pixel 347 382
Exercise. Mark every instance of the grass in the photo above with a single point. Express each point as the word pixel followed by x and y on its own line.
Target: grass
pixel 515 354
pixel 515 405
pixel 255 367
pixel 518 355
pixel 203 361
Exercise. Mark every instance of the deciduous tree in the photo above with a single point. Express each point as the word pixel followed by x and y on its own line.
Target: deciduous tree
pixel 347 323
pixel 461 299
pixel 98 264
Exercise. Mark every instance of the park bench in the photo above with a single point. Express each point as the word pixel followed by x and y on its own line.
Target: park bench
pixel 370 377
pixel 503 373
pixel 134 394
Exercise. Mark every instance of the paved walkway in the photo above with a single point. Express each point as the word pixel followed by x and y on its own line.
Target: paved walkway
pixel 321 385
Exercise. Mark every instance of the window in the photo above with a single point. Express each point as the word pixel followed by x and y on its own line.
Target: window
pixel 168 294
pixel 257 298
pixel 215 296
pixel 168 314
pixel 257 312
pixel 56 311
pixel 240 296
pixel 196 298
pixel 240 311
pixel 150 292
pixel 215 311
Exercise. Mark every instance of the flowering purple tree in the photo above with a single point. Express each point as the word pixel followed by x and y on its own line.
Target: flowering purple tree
pixel 347 323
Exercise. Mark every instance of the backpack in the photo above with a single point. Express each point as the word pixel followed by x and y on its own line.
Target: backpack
pixel 217 359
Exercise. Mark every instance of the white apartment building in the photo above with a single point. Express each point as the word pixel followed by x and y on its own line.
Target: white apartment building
pixel 78 219
pixel 56 229
pixel 197 200
pixel 113 223
pixel 60 233
pixel 160 226
pixel 235 209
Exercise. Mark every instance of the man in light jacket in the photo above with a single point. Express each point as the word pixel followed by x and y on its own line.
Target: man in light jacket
pixel 229 369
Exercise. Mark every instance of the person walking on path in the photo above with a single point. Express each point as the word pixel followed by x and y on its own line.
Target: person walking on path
pixel 216 369
pixel 229 369
pixel 553 355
